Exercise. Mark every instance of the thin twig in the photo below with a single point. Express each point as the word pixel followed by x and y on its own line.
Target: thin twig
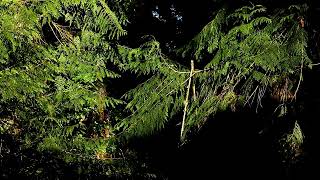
pixel 300 80
pixel 63 33
pixel 280 105
pixel 186 101
pixel 254 92
pixel 54 33
pixel 316 64
pixel 194 91
pixel 176 71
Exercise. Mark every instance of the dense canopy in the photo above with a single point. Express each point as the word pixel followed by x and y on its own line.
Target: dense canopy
pixel 83 83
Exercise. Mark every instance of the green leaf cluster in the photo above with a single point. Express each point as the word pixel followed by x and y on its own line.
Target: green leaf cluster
pixel 56 61
pixel 247 54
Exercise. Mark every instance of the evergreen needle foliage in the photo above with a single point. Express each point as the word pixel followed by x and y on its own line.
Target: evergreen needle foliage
pixel 241 57
pixel 56 61
pixel 60 59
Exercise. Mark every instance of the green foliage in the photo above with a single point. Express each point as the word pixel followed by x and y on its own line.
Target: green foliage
pixel 57 90
pixel 207 40
pixel 252 55
pixel 291 145
pixel 157 99
pixel 59 57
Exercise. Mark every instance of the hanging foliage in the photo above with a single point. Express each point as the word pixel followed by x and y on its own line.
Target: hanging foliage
pixel 252 54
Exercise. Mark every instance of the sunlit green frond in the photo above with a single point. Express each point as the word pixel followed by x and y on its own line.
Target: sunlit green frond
pixel 254 54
